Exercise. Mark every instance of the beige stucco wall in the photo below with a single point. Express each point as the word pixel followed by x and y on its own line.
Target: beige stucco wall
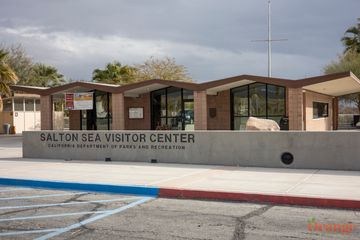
pixel 318 124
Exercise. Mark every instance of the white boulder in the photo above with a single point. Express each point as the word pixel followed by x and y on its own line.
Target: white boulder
pixel 260 124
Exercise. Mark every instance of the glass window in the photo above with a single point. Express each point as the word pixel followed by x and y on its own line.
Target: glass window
pixel 102 106
pixel 110 111
pixel 19 104
pixel 58 105
pixel 172 109
pixel 276 100
pixel 240 123
pixel 158 107
pixel 174 102
pixel 29 105
pixel 188 95
pixel 37 105
pixel 241 101
pixel 320 110
pixel 83 120
pixel 257 98
pixel 7 105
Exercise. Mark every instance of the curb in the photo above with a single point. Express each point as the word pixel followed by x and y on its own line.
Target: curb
pixel 184 193
pixel 260 198
pixel 92 187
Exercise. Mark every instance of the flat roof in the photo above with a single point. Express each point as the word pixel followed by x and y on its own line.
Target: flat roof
pixel 333 84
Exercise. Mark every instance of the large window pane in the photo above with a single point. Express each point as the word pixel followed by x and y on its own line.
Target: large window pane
pixel 19 104
pixel 257 99
pixel 240 123
pixel 174 102
pixel 7 105
pixel 110 111
pixel 188 95
pixel 29 105
pixel 172 108
pixel 276 101
pixel 320 110
pixel 241 101
pixel 102 106
pixel 37 105
pixel 83 120
pixel 158 107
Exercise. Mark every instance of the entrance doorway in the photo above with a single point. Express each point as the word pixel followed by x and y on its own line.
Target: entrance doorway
pixel 172 109
pixel 188 120
pixel 99 118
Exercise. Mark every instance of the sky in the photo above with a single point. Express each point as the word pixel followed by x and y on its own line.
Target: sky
pixel 212 38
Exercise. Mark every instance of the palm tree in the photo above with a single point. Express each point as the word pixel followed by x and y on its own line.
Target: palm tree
pixel 47 76
pixel 7 77
pixel 114 73
pixel 351 40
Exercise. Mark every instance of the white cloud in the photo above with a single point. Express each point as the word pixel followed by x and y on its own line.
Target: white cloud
pixel 76 55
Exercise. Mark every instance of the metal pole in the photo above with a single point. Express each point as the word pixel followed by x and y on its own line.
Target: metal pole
pixel 269 39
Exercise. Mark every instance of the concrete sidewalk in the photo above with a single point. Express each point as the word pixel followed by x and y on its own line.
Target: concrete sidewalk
pixel 284 182
pixel 298 183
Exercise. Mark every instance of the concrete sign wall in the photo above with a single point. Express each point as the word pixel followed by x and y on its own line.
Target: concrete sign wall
pixel 321 150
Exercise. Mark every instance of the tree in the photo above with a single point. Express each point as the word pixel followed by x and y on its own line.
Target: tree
pixel 22 65
pixel 351 40
pixel 114 73
pixel 349 61
pixel 47 76
pixel 165 68
pixel 30 73
pixel 7 76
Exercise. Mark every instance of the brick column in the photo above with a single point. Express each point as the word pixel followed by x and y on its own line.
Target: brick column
pixel 118 111
pixel 46 107
pixel 296 108
pixel 335 107
pixel 74 120
pixel 200 110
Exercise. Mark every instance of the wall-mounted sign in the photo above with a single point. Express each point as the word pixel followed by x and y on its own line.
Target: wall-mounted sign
pixel 136 113
pixel 79 101
pixel 69 101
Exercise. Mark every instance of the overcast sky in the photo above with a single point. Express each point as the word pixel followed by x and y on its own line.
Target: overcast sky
pixel 211 38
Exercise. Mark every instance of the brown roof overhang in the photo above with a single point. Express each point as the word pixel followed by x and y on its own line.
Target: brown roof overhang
pixel 275 81
pixel 170 83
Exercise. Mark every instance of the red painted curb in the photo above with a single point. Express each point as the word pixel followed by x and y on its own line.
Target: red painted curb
pixel 261 198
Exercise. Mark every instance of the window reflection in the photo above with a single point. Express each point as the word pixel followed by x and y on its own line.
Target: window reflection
pixel 257 97
pixel 99 118
pixel 257 100
pixel 172 109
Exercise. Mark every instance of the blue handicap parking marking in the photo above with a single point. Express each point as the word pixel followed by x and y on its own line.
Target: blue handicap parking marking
pixel 126 202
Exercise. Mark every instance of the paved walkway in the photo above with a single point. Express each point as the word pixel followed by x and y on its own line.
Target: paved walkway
pixel 290 182
pixel 285 182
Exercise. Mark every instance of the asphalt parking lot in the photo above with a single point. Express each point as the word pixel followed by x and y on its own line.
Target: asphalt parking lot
pixel 27 213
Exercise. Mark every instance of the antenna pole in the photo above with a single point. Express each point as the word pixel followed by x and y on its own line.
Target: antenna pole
pixel 269 39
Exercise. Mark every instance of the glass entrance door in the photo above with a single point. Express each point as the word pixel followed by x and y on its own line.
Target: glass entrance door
pixel 188 116
pixel 172 109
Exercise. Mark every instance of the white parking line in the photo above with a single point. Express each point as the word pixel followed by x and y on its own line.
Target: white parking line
pixel 69 203
pixel 27 232
pixel 93 219
pixel 42 196
pixel 51 216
